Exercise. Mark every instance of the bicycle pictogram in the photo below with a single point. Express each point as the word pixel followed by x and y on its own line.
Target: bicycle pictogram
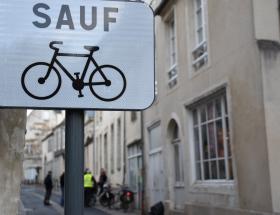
pixel 106 82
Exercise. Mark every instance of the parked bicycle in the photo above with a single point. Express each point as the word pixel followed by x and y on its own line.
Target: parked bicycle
pixel 106 82
pixel 121 199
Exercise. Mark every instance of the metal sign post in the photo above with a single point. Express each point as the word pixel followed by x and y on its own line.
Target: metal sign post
pixel 74 162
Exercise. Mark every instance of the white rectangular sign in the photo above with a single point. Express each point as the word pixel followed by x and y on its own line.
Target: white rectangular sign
pixel 88 54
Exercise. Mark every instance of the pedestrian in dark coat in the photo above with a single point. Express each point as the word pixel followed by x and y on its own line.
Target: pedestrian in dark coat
pixel 48 186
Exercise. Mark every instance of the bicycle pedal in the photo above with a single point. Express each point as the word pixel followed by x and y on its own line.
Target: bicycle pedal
pixel 80 95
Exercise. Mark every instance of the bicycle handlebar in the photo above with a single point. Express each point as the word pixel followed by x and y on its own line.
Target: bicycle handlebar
pixel 55 42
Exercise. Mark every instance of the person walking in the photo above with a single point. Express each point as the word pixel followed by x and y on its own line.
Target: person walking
pixel 62 189
pixel 48 186
pixel 102 180
pixel 89 184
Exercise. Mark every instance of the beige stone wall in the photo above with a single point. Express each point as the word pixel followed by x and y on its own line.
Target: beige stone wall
pixel 234 63
pixel 103 122
pixel 133 129
pixel 198 210
pixel 271 79
pixel 12 131
pixel 89 151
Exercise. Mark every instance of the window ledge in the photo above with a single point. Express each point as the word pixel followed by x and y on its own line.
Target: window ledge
pixel 218 187
pixel 173 81
pixel 179 185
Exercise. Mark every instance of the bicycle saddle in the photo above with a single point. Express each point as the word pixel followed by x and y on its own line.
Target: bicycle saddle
pixel 92 48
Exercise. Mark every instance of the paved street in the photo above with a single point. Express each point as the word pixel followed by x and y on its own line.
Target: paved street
pixel 32 204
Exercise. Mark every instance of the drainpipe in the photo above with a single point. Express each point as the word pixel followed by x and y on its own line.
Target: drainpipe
pixel 124 147
pixel 143 164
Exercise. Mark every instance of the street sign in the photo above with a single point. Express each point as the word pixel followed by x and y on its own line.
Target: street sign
pixel 76 54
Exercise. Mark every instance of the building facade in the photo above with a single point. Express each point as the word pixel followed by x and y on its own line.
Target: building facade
pixel 109 145
pixel 53 147
pixel 118 149
pixel 38 124
pixel 211 137
pixel 89 141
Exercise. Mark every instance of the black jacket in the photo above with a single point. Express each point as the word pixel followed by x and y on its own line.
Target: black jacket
pixel 62 180
pixel 48 182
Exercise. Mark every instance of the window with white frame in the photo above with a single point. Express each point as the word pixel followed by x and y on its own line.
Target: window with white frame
pixel 175 141
pixel 200 54
pixel 134 157
pixel 213 156
pixel 133 116
pixel 51 143
pixel 172 41
pixel 100 116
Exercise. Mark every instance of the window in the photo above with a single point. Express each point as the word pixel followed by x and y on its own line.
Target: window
pixel 28 149
pixel 119 146
pixel 199 54
pixel 112 148
pixel 171 31
pixel 56 133
pixel 133 116
pixel 213 157
pixel 134 158
pixel 50 143
pixel 156 169
pixel 100 116
pixel 175 141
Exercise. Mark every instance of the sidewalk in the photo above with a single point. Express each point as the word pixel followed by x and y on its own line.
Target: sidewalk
pixel 118 212
pixel 109 211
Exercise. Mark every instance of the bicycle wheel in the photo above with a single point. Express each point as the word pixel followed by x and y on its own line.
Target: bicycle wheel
pixel 35 83
pixel 103 200
pixel 111 90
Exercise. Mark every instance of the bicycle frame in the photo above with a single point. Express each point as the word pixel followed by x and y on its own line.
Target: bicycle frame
pixel 113 90
pixel 89 59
